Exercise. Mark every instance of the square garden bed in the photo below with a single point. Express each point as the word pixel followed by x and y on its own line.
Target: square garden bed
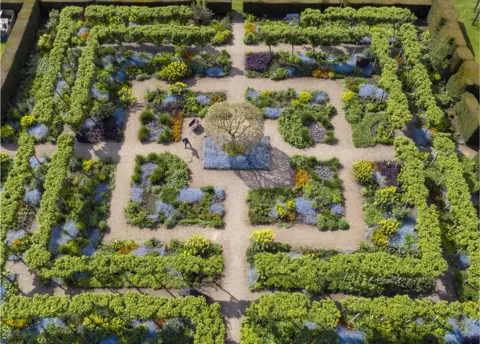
pixel 163 118
pixel 317 198
pixel 303 117
pixel 160 195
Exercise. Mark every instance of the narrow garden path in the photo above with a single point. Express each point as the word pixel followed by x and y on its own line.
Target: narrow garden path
pixel 232 291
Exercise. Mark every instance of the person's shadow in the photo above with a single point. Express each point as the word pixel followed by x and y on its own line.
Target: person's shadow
pixel 194 153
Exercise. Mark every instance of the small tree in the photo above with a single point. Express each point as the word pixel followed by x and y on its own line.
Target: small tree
pixel 235 128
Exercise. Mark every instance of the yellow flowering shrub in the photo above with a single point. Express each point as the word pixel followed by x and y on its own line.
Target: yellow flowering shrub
pixel 348 96
pixel 27 121
pixel 301 178
pixel 304 97
pixel 263 237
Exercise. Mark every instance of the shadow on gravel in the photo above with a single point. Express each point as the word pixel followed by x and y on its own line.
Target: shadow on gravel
pixel 280 174
pixel 233 308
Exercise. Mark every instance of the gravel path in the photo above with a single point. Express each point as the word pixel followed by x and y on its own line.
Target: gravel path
pixel 232 291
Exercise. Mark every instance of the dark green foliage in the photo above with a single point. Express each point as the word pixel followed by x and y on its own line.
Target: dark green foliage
pixel 294 122
pixel 146 116
pixel 143 134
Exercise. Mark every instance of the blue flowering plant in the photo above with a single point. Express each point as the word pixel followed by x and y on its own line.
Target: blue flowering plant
pixel 316 200
pixel 83 209
pixel 160 195
pixel 273 103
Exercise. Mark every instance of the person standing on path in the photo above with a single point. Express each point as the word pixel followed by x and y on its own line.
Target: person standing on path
pixel 186 142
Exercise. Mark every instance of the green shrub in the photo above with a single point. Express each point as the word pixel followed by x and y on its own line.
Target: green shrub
pixel 143 134
pixel 166 136
pixel 158 176
pixel 165 119
pixel 363 171
pixel 146 116
pixel 174 71
pixel 279 74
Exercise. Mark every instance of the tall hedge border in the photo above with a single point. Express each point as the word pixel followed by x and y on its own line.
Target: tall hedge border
pixel 14 190
pixel 17 49
pixel 464 234
pixel 275 8
pixel 382 320
pixel 209 325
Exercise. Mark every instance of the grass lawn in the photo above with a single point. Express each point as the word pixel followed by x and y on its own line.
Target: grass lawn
pixel 237 5
pixel 2 48
pixel 465 18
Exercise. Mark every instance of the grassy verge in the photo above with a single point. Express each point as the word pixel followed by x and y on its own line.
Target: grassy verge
pixel 237 5
pixel 2 48
pixel 471 31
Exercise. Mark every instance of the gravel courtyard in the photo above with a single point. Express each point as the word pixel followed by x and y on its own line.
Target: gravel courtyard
pixel 232 291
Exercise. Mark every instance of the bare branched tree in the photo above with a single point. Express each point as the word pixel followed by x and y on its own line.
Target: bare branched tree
pixel 235 128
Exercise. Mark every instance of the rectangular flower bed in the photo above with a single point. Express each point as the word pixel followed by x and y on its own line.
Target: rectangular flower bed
pixel 257 158
pixel 366 110
pixel 303 117
pixel 83 208
pixel 160 194
pixel 317 198
pixel 282 64
pixel 162 120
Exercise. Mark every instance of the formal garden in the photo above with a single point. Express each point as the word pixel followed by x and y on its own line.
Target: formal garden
pixel 186 174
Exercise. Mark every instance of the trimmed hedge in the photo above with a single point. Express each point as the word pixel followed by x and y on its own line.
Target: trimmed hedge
pixel 281 7
pixel 17 49
pixel 381 320
pixel 207 319
pixel 99 14
pixel 420 77
pixel 397 103
pixel 44 109
pixel 186 35
pixel 464 233
pixel 14 190
pixel 468 116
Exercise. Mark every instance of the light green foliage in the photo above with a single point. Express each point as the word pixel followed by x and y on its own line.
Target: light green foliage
pixel 464 230
pixel 196 245
pixel 27 121
pixel 6 131
pixel 174 71
pixel 281 317
pixel 14 190
pixel 418 77
pixel 304 97
pixel 397 103
pixel 386 197
pixel 104 314
pixel 362 171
